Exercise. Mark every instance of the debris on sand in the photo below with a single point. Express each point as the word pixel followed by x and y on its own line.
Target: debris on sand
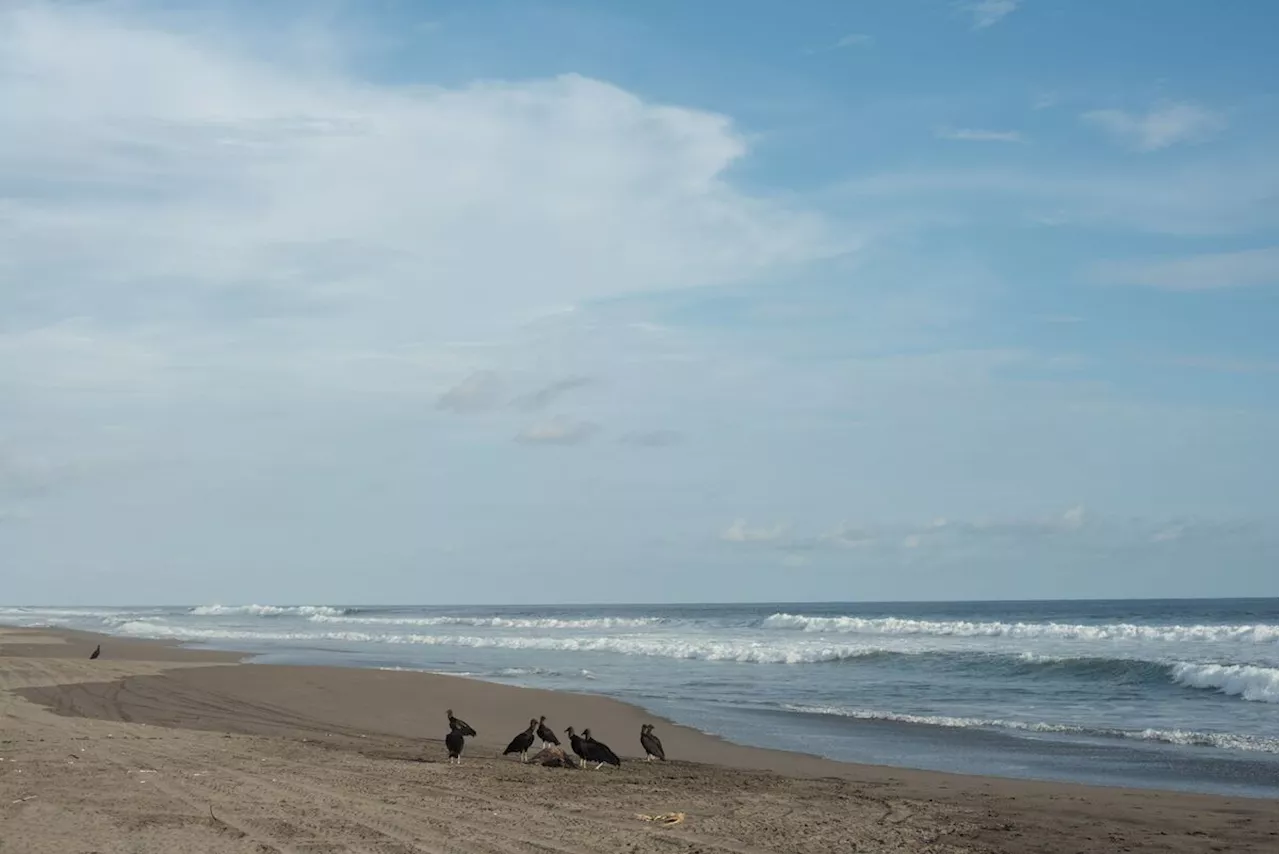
pixel 552 756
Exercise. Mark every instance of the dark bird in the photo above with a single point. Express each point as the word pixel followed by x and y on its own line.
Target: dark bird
pixel 545 735
pixel 97 651
pixel 458 724
pixel 598 752
pixel 651 743
pixel 522 742
pixel 576 743
pixel 454 742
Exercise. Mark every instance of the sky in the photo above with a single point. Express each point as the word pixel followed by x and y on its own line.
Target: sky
pixel 502 302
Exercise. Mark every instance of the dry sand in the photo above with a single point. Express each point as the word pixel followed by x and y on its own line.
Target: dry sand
pixel 155 748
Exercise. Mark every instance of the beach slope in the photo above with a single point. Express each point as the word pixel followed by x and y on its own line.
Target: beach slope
pixel 155 748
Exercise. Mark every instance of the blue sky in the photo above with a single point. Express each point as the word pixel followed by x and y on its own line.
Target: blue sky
pixel 629 302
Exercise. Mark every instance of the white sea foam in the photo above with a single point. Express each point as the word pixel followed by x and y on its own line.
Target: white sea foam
pixel 785 652
pixel 604 623
pixel 1247 681
pixel 1223 740
pixel 266 610
pixel 1253 633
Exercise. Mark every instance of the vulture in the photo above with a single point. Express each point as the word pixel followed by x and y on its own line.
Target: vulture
pixel 579 748
pixel 454 743
pixel 545 734
pixel 458 724
pixel 598 752
pixel 97 651
pixel 522 742
pixel 651 743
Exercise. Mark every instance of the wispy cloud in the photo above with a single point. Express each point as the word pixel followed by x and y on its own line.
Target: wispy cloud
pixel 1222 365
pixel 479 392
pixel 986 13
pixel 1209 199
pixel 548 394
pixel 1204 272
pixel 741 532
pixel 651 438
pixel 851 40
pixel 1160 127
pixel 558 431
pixel 854 40
pixel 979 135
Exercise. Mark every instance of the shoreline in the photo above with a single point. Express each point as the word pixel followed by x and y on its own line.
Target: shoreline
pixel 698 745
pixel 381 720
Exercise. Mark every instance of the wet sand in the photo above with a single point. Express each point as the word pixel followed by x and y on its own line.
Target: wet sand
pixel 156 748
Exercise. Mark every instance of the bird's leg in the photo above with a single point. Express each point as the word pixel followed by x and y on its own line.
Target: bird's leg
pixel 601 765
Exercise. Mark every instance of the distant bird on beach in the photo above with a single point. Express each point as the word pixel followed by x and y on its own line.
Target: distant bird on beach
pixel 97 651
pixel 598 752
pixel 651 743
pixel 454 742
pixel 545 734
pixel 522 742
pixel 458 724
pixel 579 748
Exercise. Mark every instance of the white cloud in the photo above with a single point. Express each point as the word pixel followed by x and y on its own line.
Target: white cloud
pixel 978 135
pixel 1210 271
pixel 849 536
pixel 1160 127
pixel 558 431
pixel 286 209
pixel 741 532
pixel 480 391
pixel 985 13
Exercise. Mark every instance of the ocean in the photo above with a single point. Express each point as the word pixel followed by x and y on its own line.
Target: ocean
pixel 1178 694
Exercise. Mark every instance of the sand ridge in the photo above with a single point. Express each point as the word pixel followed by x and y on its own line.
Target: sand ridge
pixel 155 748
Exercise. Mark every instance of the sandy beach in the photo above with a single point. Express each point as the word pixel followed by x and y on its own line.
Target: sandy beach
pixel 156 748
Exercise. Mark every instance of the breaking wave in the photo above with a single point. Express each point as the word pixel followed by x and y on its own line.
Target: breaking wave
pixel 268 611
pixel 1247 681
pixel 1255 633
pixel 494 622
pixel 1222 740
pixel 790 652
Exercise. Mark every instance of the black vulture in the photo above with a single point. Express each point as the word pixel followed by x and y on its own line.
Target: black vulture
pixel 97 651
pixel 522 742
pixel 545 735
pixel 454 743
pixel 651 743
pixel 598 752
pixel 458 724
pixel 579 748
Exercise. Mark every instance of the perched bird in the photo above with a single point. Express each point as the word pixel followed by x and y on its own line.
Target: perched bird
pixel 454 742
pixel 651 743
pixel 598 752
pixel 97 651
pixel 522 742
pixel 458 724
pixel 578 746
pixel 545 734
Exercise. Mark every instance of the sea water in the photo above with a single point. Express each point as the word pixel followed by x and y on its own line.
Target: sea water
pixel 1178 694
